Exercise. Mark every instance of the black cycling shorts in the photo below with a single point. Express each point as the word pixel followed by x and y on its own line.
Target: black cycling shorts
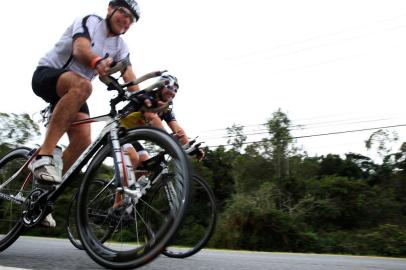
pixel 138 147
pixel 44 85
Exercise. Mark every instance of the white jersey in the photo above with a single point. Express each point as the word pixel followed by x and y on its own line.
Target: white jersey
pixel 95 29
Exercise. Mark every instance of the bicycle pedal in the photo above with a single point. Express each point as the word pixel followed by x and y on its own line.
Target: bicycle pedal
pixel 45 186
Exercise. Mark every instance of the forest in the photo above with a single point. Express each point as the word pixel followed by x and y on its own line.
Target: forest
pixel 273 197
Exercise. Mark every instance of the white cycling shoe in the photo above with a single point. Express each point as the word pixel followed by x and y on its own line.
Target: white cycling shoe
pixel 44 170
pixel 49 221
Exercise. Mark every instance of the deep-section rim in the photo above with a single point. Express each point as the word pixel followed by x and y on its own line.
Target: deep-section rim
pixel 209 233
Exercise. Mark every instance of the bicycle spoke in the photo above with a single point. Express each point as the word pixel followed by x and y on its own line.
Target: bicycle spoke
pixel 14 177
pixel 135 227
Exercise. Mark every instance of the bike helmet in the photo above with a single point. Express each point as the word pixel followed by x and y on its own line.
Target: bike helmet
pixel 132 5
pixel 173 84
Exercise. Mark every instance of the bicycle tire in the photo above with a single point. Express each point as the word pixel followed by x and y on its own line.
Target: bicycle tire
pixel 70 222
pixel 10 208
pixel 203 220
pixel 148 239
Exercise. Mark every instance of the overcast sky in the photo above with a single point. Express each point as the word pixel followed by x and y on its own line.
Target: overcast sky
pixel 331 65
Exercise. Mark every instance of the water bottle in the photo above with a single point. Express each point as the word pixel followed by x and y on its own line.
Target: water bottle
pixel 144 183
pixel 129 169
pixel 58 160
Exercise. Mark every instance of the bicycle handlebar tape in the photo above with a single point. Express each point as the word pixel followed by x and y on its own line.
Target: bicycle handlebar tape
pixel 148 76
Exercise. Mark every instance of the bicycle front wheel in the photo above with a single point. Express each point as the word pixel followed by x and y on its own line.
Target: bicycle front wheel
pixel 70 223
pixel 135 240
pixel 106 201
pixel 199 223
pixel 15 186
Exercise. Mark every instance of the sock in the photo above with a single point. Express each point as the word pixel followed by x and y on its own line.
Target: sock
pixel 40 156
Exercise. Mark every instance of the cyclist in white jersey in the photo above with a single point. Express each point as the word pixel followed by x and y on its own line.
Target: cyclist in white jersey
pixel 63 78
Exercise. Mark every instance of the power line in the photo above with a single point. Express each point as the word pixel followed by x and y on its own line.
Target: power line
pixel 264 131
pixel 322 134
pixel 347 131
pixel 343 36
pixel 353 120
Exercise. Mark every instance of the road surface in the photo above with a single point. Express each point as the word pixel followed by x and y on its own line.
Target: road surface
pixel 47 253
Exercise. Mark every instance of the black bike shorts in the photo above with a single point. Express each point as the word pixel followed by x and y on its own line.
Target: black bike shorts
pixel 138 147
pixel 44 85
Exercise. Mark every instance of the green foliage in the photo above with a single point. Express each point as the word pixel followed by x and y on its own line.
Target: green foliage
pixel 17 129
pixel 339 202
pixel 249 172
pixel 383 240
pixel 303 167
pixel 4 149
pixel 236 132
pixel 381 139
pixel 334 165
pixel 257 223
pixel 278 127
pixel 287 201
pixel 280 142
pixel 220 163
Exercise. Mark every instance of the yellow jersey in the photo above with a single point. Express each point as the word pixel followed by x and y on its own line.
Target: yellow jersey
pixel 133 120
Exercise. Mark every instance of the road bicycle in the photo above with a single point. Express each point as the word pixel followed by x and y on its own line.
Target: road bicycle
pixel 197 227
pixel 136 239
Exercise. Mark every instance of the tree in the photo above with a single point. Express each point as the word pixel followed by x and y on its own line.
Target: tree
pixel 220 163
pixel 16 129
pixel 381 139
pixel 335 165
pixel 237 133
pixel 280 141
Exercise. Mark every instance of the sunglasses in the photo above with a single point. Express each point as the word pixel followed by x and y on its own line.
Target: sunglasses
pixel 123 12
pixel 172 88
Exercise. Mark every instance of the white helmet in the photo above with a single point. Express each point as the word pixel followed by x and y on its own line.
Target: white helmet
pixel 132 5
pixel 172 84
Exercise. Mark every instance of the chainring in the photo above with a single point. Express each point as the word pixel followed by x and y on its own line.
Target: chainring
pixel 35 207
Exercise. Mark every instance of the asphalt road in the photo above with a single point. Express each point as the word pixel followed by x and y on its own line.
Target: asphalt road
pixel 45 253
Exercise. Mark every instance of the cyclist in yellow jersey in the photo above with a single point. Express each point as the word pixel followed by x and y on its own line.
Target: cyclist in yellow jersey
pixel 165 95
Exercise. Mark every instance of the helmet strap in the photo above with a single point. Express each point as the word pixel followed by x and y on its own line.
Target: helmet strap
pixel 108 21
pixel 160 95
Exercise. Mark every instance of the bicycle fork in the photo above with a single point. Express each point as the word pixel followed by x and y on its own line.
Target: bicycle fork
pixel 121 167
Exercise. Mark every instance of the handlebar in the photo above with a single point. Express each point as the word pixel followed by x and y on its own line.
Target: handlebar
pixel 123 93
pixel 120 66
pixel 151 88
pixel 145 77
pixel 192 148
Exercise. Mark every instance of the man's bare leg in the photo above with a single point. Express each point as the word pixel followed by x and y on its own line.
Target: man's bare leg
pixel 79 139
pixel 74 91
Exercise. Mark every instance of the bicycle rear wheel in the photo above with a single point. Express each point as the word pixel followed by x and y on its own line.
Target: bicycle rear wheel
pixel 199 223
pixel 13 195
pixel 135 240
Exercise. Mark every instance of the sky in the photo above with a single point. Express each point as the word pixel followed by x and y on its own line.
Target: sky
pixel 331 65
